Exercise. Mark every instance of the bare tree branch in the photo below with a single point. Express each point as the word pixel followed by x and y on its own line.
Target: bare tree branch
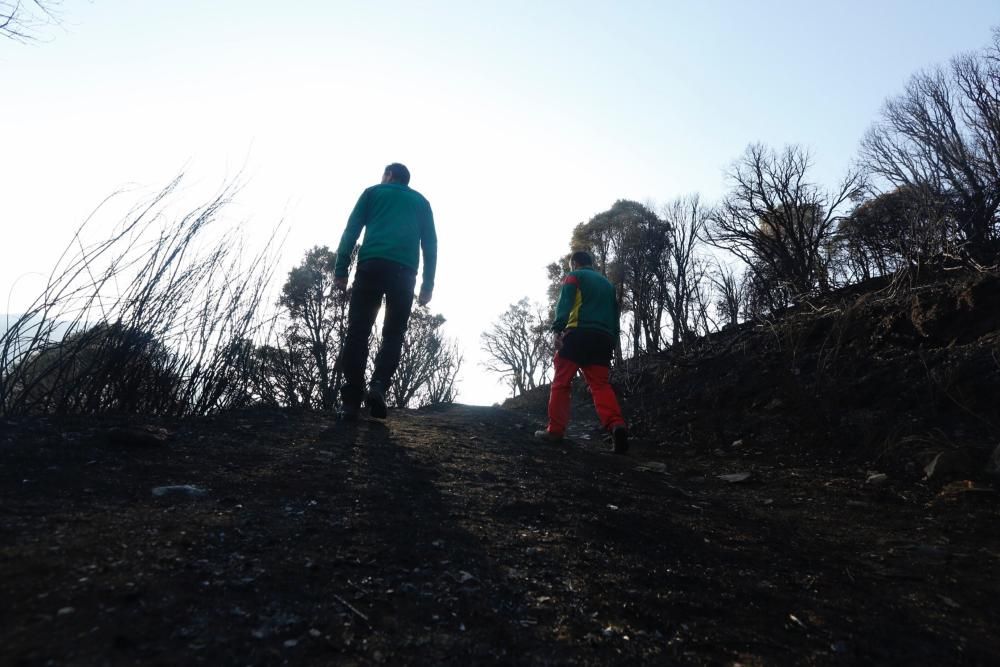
pixel 941 138
pixel 22 20
pixel 775 220
pixel 518 346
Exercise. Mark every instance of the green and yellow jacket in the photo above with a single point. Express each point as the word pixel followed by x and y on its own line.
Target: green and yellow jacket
pixel 587 300
pixel 398 224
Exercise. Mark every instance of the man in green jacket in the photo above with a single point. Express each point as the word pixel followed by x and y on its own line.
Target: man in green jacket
pixel 586 328
pixel 398 225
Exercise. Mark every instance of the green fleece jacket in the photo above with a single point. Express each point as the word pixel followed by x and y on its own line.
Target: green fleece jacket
pixel 587 300
pixel 398 224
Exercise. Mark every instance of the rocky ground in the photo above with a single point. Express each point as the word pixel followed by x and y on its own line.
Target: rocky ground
pixel 816 491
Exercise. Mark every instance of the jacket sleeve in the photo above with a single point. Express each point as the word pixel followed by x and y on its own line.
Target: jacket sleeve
pixel 567 297
pixel 429 248
pixel 355 223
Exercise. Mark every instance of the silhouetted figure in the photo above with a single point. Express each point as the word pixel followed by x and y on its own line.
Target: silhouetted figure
pixel 398 224
pixel 586 327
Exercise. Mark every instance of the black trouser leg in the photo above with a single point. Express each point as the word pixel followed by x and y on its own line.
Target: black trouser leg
pixel 366 299
pixel 398 305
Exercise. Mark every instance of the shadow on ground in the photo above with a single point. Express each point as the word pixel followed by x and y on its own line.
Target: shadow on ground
pixel 449 537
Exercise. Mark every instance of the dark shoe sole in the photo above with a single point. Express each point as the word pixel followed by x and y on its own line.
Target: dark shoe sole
pixel 376 406
pixel 620 436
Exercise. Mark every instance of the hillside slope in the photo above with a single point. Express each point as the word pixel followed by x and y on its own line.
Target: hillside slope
pixel 450 537
pixel 880 374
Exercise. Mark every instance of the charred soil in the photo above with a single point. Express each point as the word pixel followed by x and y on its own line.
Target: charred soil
pixel 813 490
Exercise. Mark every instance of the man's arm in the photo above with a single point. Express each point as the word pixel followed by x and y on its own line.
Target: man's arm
pixel 355 224
pixel 428 247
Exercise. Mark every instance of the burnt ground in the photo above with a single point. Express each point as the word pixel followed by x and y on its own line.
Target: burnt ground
pixel 447 536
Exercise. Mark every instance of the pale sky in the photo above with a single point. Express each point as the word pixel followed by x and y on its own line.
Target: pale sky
pixel 518 120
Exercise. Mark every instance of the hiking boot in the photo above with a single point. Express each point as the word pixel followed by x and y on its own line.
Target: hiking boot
pixel 376 401
pixel 348 412
pixel 548 436
pixel 620 435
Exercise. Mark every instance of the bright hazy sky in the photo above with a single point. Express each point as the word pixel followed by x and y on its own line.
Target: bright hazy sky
pixel 518 120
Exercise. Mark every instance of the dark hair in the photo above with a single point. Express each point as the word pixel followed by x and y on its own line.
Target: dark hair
pixel 581 258
pixel 399 173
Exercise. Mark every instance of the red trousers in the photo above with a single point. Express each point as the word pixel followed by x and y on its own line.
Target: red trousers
pixel 597 379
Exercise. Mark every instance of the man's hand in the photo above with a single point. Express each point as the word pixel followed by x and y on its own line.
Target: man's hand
pixel 424 298
pixel 340 284
pixel 557 341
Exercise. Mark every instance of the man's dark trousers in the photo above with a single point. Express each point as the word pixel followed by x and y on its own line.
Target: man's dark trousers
pixel 375 278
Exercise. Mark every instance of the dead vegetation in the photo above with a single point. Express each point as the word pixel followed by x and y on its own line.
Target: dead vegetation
pixel 859 374
pixel 158 318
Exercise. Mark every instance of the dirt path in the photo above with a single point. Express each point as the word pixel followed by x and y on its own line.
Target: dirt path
pixel 450 537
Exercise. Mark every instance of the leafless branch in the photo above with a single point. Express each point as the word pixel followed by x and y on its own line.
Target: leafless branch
pixel 22 20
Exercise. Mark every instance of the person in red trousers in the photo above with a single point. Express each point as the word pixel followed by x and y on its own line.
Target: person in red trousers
pixel 586 329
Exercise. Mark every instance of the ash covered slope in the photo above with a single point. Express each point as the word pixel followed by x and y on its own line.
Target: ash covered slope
pixel 885 374
pixel 748 524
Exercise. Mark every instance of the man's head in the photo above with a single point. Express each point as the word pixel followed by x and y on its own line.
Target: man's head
pixel 580 259
pixel 396 173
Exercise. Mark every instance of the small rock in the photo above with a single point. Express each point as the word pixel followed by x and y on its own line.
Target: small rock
pixel 774 404
pixel 737 443
pixel 653 466
pixel 314 633
pixel 876 478
pixel 188 490
pixel 291 643
pixel 65 611
pixel 735 477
